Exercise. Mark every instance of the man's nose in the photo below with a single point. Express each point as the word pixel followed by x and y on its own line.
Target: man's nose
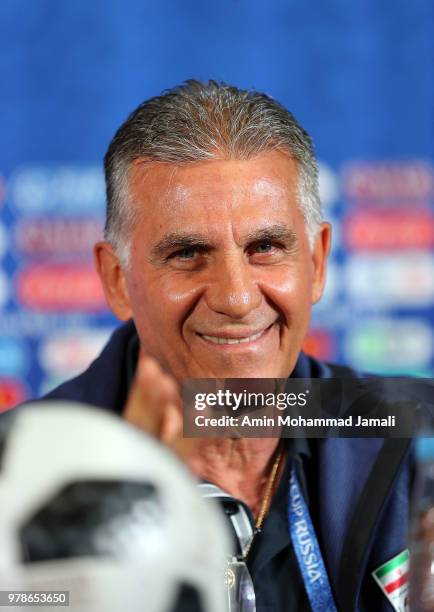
pixel 233 290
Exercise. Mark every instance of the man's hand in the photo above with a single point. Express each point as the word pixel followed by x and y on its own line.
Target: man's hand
pixel 154 405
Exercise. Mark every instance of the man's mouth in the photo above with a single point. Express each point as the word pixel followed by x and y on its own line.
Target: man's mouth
pixel 232 339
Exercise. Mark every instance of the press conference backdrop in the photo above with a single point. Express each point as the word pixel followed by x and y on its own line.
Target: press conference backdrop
pixel 358 76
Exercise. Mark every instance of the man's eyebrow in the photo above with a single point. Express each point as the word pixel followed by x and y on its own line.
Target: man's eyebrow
pixel 177 241
pixel 273 232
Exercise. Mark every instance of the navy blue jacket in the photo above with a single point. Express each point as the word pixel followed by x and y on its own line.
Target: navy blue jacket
pixel 363 483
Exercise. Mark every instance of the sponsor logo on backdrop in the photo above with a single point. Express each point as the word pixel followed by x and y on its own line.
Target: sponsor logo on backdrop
pixel 389 345
pixel 67 189
pixel 377 230
pixel 69 353
pixel 52 236
pixel 60 287
pixel 321 344
pixel 336 233
pixel 20 322
pixel 391 280
pixel 14 357
pixel 331 288
pixel 389 180
pixel 328 185
pixel 12 392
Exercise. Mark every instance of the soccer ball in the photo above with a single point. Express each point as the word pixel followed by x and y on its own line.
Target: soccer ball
pixel 91 505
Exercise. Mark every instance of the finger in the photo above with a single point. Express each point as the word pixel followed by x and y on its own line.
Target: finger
pixel 158 384
pixel 143 407
pixel 172 433
pixel 155 406
pixel 154 403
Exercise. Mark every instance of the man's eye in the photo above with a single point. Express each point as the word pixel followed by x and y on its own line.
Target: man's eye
pixel 267 253
pixel 185 253
pixel 263 247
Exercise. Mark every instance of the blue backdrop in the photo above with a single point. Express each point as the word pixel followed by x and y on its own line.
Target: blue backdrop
pixel 357 75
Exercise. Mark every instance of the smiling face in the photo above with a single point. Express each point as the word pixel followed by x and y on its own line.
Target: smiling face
pixel 221 278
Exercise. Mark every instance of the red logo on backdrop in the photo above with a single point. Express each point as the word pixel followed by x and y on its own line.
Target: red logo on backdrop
pixel 389 180
pixel 66 235
pixel 60 287
pixel 12 392
pixel 376 230
pixel 320 344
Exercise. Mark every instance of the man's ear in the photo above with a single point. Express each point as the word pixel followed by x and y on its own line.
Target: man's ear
pixel 320 253
pixel 113 280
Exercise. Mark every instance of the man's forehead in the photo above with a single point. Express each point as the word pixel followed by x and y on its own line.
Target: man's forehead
pixel 260 188
pixel 271 176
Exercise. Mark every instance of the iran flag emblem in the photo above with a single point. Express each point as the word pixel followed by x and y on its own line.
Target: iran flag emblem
pixel 392 578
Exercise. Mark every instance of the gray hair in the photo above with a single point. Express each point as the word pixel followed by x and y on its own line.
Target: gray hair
pixel 196 122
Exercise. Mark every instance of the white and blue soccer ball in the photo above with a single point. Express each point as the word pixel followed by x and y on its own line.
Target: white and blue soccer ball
pixel 90 505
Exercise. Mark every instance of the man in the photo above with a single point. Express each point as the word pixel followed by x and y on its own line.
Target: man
pixel 216 249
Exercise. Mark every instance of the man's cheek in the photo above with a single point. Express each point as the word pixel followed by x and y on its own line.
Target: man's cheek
pixel 178 299
pixel 284 293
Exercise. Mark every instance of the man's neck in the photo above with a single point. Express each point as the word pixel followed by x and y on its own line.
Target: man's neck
pixel 241 467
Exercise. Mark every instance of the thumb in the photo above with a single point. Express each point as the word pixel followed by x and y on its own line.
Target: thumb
pixel 150 391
